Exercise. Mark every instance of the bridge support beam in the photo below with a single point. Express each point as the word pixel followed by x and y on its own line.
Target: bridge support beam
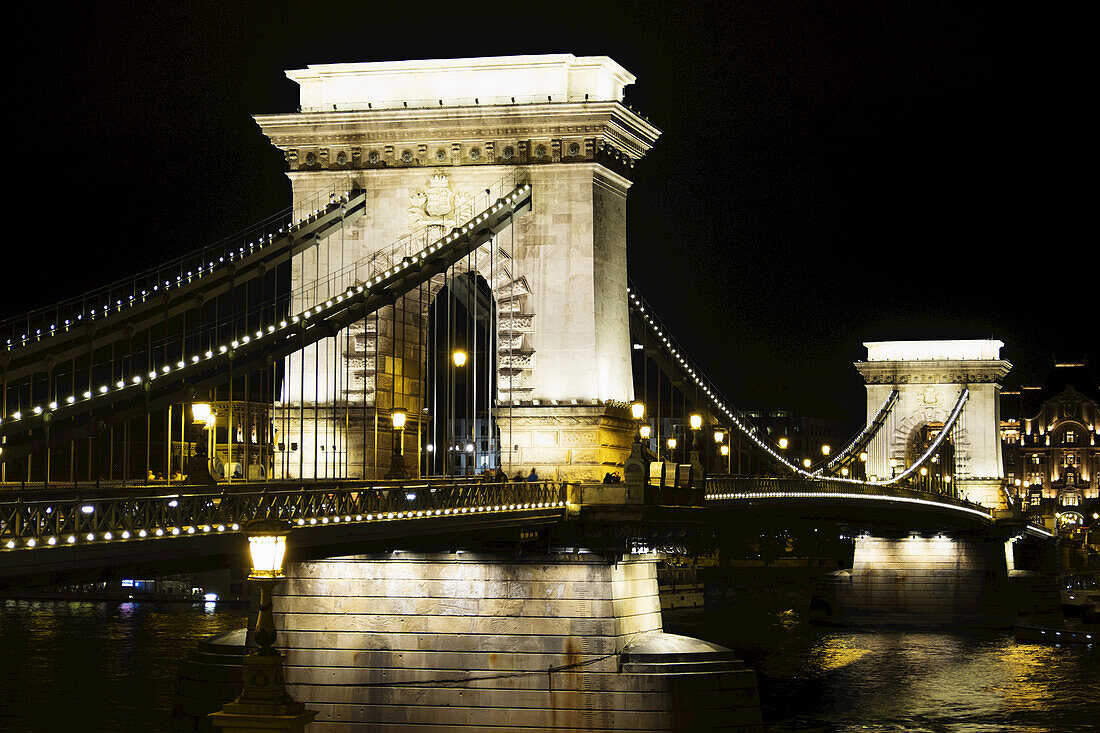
pixel 561 641
pixel 921 581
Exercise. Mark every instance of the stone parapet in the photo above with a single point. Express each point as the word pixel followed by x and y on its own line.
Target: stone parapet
pixel 574 443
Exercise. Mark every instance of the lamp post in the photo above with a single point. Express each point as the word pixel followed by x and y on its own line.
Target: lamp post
pixel 719 436
pixel 397 459
pixel 264 705
pixel 637 411
pixel 695 420
pixel 202 471
pixel 458 358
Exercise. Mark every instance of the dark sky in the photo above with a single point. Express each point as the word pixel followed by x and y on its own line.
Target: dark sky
pixel 829 173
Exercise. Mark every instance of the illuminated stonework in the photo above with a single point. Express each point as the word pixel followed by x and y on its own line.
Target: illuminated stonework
pixel 561 641
pixel 431 140
pixel 930 376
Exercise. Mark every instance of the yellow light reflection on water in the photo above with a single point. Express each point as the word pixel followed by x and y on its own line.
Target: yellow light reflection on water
pixel 836 652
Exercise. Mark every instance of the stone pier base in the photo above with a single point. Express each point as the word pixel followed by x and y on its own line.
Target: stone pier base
pixel 471 641
pixel 920 581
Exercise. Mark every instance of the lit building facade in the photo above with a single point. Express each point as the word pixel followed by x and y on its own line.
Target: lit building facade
pixel 1051 446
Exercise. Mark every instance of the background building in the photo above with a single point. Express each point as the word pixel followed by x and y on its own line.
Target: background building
pixel 1052 455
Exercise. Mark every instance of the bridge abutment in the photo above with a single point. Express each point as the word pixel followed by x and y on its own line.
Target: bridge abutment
pixel 562 641
pixel 921 581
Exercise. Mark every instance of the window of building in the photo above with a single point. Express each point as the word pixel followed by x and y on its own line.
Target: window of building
pixel 1070 437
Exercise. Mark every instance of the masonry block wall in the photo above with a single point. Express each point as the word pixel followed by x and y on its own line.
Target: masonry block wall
pixel 468 641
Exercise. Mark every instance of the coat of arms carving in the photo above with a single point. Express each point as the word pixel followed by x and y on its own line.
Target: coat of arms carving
pixel 438 207
pixel 929 396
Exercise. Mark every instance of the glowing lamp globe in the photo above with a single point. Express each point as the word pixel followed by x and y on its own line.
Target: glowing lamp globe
pixel 783 443
pixel 672 443
pixel 645 431
pixel 399 417
pixel 696 420
pixel 637 410
pixel 459 358
pixel 719 436
pixel 267 547
pixel 725 449
pixel 203 413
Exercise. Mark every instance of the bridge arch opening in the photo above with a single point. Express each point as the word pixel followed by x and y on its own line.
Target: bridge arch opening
pixel 461 368
pixel 939 470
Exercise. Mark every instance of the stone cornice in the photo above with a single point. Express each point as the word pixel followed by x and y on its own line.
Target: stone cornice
pixel 593 127
pixel 933 372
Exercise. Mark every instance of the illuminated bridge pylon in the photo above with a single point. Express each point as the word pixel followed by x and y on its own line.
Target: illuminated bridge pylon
pixel 963 449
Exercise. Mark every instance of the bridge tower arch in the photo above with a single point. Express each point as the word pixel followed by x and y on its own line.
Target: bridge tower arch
pixel 430 139
pixel 930 376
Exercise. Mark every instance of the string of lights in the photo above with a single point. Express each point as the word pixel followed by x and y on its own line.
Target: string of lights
pixel 372 284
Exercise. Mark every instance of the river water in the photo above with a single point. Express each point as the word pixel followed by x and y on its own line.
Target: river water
pixel 97 666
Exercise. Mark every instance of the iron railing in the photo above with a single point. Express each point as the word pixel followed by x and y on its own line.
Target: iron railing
pixel 39 523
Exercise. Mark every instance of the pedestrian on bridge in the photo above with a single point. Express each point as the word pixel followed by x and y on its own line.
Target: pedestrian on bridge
pixel 534 476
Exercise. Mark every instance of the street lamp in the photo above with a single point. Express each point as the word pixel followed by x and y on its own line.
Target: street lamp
pixel 826 449
pixel 637 411
pixel 397 460
pixel 203 414
pixel 459 357
pixel 264 704
pixel 783 443
pixel 671 447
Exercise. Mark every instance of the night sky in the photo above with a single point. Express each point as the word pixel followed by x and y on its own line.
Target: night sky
pixel 829 173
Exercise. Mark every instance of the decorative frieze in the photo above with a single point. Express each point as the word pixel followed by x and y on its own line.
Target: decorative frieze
pixel 944 372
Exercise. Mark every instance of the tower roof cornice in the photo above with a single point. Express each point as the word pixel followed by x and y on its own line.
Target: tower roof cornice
pixel 610 121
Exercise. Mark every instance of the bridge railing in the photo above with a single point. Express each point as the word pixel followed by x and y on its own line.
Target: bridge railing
pixel 47 522
pixel 747 488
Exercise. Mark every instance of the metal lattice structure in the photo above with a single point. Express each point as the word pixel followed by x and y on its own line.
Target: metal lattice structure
pixel 138 517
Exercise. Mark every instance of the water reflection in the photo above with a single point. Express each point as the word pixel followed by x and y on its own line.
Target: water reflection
pixel 97 666
pixel 837 680
pixel 112 667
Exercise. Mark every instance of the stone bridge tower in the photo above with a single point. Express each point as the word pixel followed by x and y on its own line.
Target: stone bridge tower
pixel 426 139
pixel 930 376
